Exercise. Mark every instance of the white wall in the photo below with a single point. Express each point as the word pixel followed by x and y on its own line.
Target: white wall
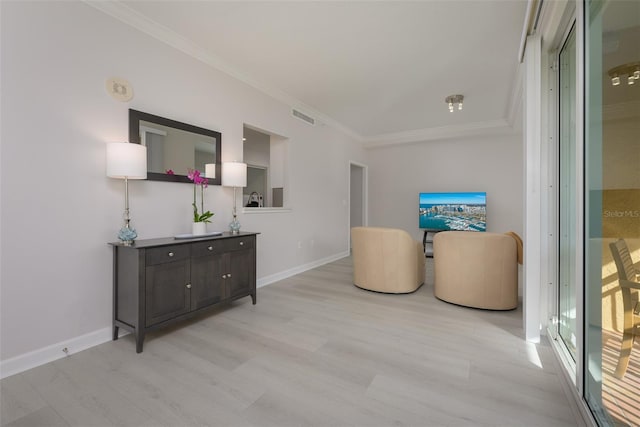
pixel 58 208
pixel 492 164
pixel 256 148
pixel 278 161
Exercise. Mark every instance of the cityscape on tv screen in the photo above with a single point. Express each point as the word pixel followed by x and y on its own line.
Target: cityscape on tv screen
pixel 453 211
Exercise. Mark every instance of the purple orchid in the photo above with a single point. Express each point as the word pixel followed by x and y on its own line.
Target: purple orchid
pixel 198 180
pixel 193 174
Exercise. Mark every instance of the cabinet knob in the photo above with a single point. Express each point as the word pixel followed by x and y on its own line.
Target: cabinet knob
pixel 171 253
pixel 229 275
pixel 241 243
pixel 188 285
pixel 210 248
pixel 224 276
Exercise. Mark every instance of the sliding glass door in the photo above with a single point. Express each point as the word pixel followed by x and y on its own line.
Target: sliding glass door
pixel 612 206
pixel 567 213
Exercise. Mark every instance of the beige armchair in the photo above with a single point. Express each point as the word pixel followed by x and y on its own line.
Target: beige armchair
pixel 386 260
pixel 477 269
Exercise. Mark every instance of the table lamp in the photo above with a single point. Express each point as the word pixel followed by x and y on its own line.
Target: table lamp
pixel 126 161
pixel 234 174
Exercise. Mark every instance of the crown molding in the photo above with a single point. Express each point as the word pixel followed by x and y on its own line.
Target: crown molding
pixel 492 127
pixel 133 18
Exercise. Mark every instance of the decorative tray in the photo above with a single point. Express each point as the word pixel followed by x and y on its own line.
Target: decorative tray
pixel 192 236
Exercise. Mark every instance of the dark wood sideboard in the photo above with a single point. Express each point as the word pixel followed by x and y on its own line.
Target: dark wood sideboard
pixel 158 282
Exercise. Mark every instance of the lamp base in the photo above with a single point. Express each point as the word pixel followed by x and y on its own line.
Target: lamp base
pixel 234 226
pixel 127 235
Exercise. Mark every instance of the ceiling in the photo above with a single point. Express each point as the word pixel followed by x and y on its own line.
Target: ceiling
pixel 377 70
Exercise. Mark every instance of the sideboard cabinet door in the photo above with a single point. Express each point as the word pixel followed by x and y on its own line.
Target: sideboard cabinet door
pixel 167 292
pixel 206 281
pixel 241 266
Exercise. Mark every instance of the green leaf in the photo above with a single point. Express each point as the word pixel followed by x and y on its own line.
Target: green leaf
pixel 205 216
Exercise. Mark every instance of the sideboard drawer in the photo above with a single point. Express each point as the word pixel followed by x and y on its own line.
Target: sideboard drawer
pixel 206 248
pixel 238 244
pixel 167 254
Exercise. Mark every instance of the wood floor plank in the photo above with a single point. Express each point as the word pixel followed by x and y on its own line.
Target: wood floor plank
pixel 42 417
pixel 18 398
pixel 81 400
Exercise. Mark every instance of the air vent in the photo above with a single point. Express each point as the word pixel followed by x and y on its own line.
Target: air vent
pixel 303 117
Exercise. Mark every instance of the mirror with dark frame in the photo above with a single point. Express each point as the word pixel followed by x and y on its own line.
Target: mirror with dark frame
pixel 174 147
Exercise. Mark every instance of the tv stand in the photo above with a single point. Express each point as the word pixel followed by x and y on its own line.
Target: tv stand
pixel 427 242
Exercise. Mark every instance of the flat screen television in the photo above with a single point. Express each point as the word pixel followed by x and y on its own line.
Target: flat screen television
pixel 453 211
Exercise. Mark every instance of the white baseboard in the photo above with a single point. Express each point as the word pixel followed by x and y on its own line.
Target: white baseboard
pixel 267 280
pixel 35 358
pixel 26 361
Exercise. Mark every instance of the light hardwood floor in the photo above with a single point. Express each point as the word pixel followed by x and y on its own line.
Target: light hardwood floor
pixel 314 351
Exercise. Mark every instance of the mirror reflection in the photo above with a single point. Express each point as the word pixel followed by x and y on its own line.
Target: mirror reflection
pixel 175 147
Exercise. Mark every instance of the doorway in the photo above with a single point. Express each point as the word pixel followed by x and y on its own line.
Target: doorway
pixel 357 196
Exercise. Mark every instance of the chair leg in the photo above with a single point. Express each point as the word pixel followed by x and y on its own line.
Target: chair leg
pixel 625 352
pixel 628 336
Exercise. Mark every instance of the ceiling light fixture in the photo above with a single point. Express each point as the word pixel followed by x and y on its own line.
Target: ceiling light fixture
pixel 631 70
pixel 452 100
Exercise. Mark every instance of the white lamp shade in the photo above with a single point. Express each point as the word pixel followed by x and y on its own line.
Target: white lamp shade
pixel 210 170
pixel 126 160
pixel 234 174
